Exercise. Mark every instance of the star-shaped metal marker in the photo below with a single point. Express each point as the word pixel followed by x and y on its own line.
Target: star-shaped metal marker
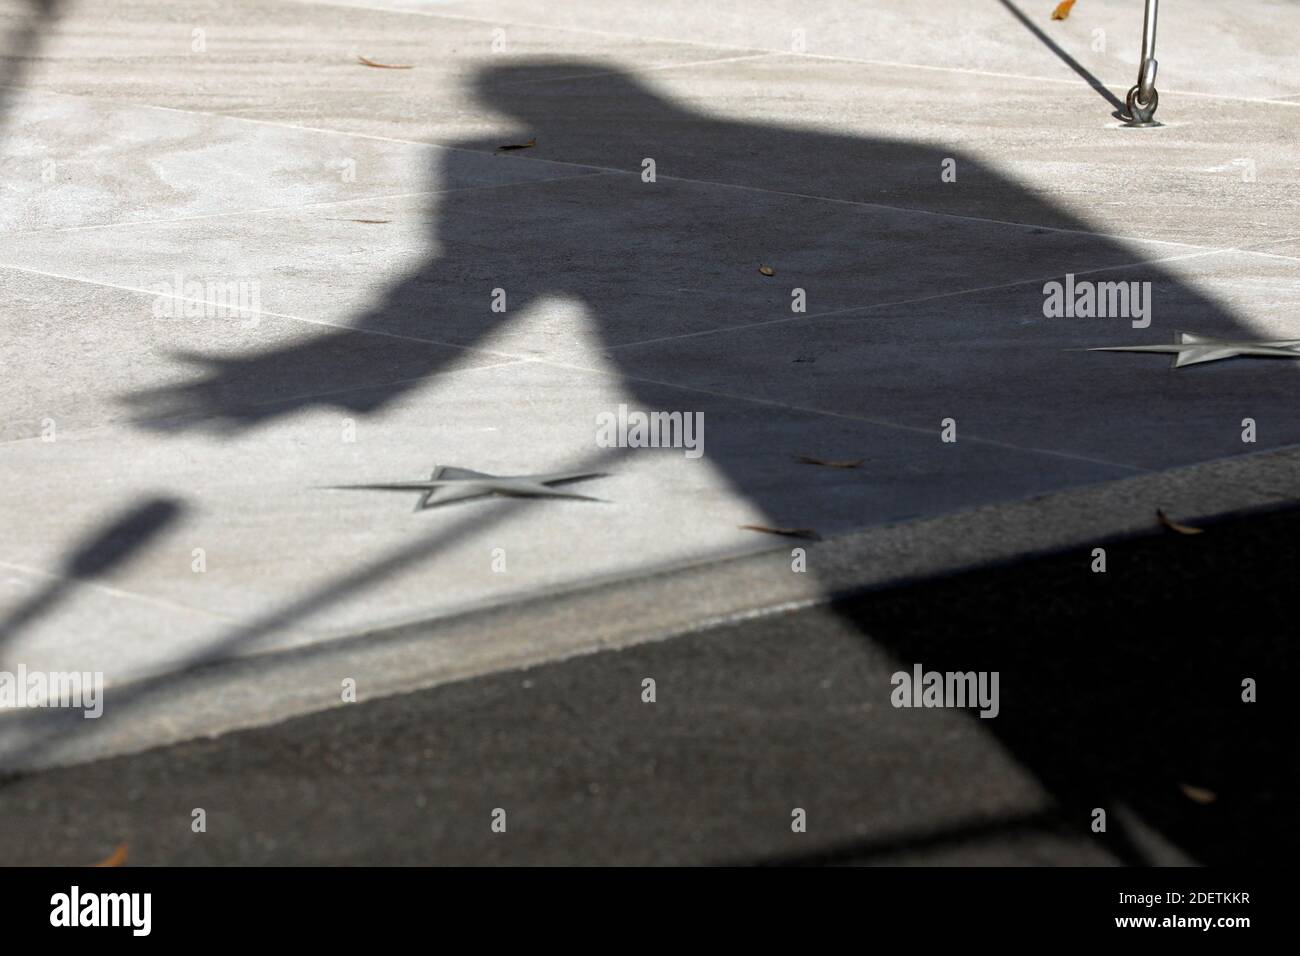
pixel 448 484
pixel 1192 349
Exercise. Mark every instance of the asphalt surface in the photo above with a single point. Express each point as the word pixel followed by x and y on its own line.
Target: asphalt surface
pixel 1119 691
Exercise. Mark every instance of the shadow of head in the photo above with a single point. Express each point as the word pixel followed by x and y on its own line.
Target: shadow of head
pixel 526 89
pixel 592 113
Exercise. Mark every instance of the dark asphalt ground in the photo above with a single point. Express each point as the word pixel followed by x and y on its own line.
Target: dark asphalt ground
pixel 1118 690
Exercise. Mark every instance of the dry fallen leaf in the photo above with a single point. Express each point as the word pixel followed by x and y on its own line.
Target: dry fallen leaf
pixel 1062 9
pixel 1198 794
pixel 829 463
pixel 369 222
pixel 381 66
pixel 767 270
pixel 528 145
pixel 116 858
pixel 1173 525
pixel 808 533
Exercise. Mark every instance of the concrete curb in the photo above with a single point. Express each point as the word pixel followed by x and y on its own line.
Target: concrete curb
pixel 257 690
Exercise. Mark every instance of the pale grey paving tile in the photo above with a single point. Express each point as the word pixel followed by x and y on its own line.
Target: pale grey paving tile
pixel 1003 371
pixel 296 63
pixel 54 621
pixel 1287 247
pixel 1238 49
pixel 68 161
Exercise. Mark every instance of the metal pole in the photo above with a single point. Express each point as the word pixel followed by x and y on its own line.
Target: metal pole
pixel 1142 98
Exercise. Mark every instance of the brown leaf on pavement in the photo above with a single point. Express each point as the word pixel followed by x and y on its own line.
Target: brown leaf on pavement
pixel 528 145
pixel 1198 794
pixel 364 61
pixel 1173 525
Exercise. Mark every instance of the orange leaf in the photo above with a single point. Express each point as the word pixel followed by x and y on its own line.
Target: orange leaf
pixel 1062 9
pixel 381 66
pixel 117 858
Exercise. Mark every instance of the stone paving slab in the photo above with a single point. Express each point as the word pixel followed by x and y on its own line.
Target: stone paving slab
pixel 1240 50
pixel 128 164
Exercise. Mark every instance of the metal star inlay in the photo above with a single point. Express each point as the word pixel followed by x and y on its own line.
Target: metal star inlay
pixel 448 484
pixel 1192 349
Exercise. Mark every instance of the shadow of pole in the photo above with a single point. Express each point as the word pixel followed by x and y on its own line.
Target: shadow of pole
pixel 1121 111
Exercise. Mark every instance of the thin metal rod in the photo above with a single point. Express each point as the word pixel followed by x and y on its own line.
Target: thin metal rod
pixel 1149 30
pixel 1142 98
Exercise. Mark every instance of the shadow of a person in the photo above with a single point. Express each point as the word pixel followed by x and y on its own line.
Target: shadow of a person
pixel 923 289
pixel 929 291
